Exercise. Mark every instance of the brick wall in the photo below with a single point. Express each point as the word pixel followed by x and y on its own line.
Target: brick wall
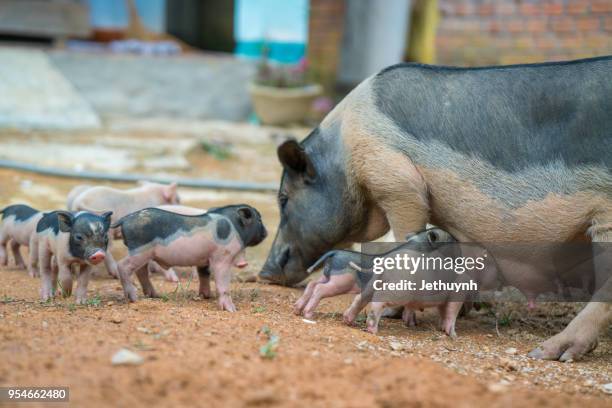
pixel 479 32
pixel 325 28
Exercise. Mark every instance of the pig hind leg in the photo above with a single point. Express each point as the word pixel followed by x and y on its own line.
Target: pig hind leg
pixel 299 305
pixel 19 263
pixel 581 334
pixel 33 249
pixel 337 285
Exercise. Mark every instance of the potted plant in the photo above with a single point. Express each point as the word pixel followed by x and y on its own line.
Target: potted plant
pixel 281 94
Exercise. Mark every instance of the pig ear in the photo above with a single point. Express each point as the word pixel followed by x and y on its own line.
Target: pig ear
pixel 170 192
pixel 64 219
pixel 246 216
pixel 107 219
pixel 294 158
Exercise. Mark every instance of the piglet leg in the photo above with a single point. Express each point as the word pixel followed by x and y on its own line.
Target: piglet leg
pixel 110 263
pixel 204 274
pixel 147 287
pixel 374 315
pixel 125 272
pixel 409 317
pixel 3 254
pixel 65 279
pixel 82 282
pixel 19 263
pixel 448 316
pixel 33 248
pixel 46 279
pixel 299 305
pixel 223 277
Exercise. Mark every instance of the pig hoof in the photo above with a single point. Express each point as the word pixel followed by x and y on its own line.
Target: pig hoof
pixel 33 273
pixel 131 295
pixel 372 329
pixel 225 303
pixel 205 295
pixel 20 266
pixel 81 301
pixel 563 349
pixel 348 319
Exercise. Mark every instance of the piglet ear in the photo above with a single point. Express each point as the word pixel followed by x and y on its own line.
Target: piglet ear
pixel 246 216
pixel 65 219
pixel 107 219
pixel 294 158
pixel 170 192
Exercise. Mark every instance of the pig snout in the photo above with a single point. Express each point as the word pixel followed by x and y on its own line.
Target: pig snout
pixel 97 257
pixel 241 264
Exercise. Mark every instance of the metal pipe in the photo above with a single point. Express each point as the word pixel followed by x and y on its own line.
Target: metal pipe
pixel 92 175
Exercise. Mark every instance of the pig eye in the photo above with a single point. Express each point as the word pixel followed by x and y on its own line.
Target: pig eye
pixel 78 238
pixel 282 200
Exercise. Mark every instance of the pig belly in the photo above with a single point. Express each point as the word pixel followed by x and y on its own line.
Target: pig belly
pixel 186 251
pixel 459 207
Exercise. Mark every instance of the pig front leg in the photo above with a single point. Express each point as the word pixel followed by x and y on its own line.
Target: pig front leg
pixel 299 305
pixel 19 263
pixel 65 278
pixel 204 276
pixel 147 287
pixel 33 264
pixel 82 282
pixel 374 315
pixel 223 276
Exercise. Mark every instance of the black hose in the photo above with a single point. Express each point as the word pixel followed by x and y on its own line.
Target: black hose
pixel 91 175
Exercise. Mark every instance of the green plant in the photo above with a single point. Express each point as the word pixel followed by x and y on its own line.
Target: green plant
pixel 268 350
pixel 281 75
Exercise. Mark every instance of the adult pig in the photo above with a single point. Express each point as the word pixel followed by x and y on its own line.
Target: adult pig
pixel 66 239
pixel 215 240
pixel 494 154
pixel 98 199
pixel 16 229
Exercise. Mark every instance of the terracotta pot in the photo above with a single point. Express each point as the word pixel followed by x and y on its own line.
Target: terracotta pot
pixel 282 106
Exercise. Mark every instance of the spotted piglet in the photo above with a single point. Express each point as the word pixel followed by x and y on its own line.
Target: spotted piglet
pixel 16 229
pixel 66 239
pixel 214 242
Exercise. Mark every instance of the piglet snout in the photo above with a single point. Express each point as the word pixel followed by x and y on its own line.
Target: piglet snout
pixel 241 264
pixel 97 257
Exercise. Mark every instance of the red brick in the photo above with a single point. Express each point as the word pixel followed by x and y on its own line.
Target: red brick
pixel 546 43
pixel 578 7
pixel 485 9
pixel 536 25
pixel 602 6
pixel 572 42
pixel 608 24
pixel 588 23
pixel 492 26
pixel 563 25
pixel 505 8
pixel 553 8
pixel 515 26
pixel 530 9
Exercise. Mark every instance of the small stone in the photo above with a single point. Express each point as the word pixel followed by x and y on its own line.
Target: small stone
pixel 510 350
pixel 45 324
pixel 497 387
pixel 362 345
pixel 110 303
pixel 126 357
pixel 589 383
pixel 116 319
pixel 309 321
pixel 348 361
pixel 315 353
pixel 143 330
pixel 607 388
pixel 508 364
pixel 396 346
